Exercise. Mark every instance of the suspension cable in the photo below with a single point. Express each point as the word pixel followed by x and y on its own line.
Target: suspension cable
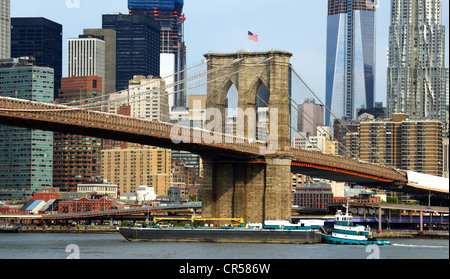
pixel 345 126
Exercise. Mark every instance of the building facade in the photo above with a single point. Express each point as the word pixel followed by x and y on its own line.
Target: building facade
pixel 340 130
pixel 77 158
pixel 446 158
pixel 146 98
pixel 138 166
pixel 173 49
pixel 26 155
pixel 42 39
pixel 416 75
pixel 138 43
pixel 403 143
pixel 109 37
pixel 5 29
pixel 310 116
pixel 104 189
pixel 313 196
pixel 350 66
pixel 422 149
pixel 84 205
pixel 86 57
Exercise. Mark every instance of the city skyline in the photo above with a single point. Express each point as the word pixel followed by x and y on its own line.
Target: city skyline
pixel 204 31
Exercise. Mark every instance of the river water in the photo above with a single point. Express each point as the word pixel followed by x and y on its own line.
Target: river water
pixel 114 246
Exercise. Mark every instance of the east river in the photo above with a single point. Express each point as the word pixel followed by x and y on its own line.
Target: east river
pixel 114 246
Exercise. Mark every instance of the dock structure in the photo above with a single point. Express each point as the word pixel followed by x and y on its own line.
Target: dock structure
pixel 399 213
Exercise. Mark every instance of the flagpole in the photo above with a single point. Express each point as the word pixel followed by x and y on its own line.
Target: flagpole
pixel 253 37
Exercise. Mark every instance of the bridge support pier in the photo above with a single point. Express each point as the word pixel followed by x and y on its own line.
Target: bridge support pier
pixel 256 191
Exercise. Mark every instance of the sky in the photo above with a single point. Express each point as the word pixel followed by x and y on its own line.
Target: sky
pixel 297 26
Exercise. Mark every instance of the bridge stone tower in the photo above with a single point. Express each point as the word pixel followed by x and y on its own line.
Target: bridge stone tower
pixel 257 188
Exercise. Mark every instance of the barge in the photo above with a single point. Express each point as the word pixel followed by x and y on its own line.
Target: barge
pixel 9 228
pixel 280 232
pixel 221 235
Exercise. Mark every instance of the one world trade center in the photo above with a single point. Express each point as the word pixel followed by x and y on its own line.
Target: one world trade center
pixel 350 69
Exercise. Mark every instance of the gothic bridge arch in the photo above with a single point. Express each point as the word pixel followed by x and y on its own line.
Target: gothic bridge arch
pixel 256 189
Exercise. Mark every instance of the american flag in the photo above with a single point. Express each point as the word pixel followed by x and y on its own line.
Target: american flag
pixel 253 37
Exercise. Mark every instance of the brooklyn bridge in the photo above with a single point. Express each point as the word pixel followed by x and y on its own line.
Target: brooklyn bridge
pixel 244 176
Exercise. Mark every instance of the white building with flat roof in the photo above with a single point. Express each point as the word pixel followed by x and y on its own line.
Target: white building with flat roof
pixel 86 57
pixel 102 189
pixel 145 193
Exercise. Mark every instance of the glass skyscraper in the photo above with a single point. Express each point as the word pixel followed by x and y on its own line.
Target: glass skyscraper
pixel 417 80
pixel 137 46
pixel 173 49
pixel 350 69
pixel 41 38
pixel 26 155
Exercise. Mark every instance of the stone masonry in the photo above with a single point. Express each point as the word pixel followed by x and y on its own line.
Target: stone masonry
pixel 256 189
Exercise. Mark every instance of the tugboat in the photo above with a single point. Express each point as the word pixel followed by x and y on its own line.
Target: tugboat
pixel 345 232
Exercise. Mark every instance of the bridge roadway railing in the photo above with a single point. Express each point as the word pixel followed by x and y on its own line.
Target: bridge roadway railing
pixel 23 109
pixel 348 164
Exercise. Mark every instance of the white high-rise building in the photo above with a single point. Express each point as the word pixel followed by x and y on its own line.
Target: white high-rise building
pixel 5 29
pixel 167 72
pixel 86 57
pixel 146 98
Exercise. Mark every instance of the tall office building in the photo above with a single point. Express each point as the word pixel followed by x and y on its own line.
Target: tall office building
pixel 26 155
pixel 5 29
pixel 416 74
pixel 350 68
pixel 109 37
pixel 137 46
pixel 86 57
pixel 310 116
pixel 145 98
pixel 173 49
pixel 40 38
pixel 77 158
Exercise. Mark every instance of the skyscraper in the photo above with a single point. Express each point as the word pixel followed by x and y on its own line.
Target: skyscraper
pixel 350 68
pixel 86 57
pixel 145 97
pixel 5 29
pixel 109 36
pixel 137 46
pixel 416 74
pixel 26 155
pixel 40 38
pixel 173 49
pixel 310 116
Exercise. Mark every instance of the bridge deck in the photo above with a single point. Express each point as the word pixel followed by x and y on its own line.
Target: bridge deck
pixel 60 118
